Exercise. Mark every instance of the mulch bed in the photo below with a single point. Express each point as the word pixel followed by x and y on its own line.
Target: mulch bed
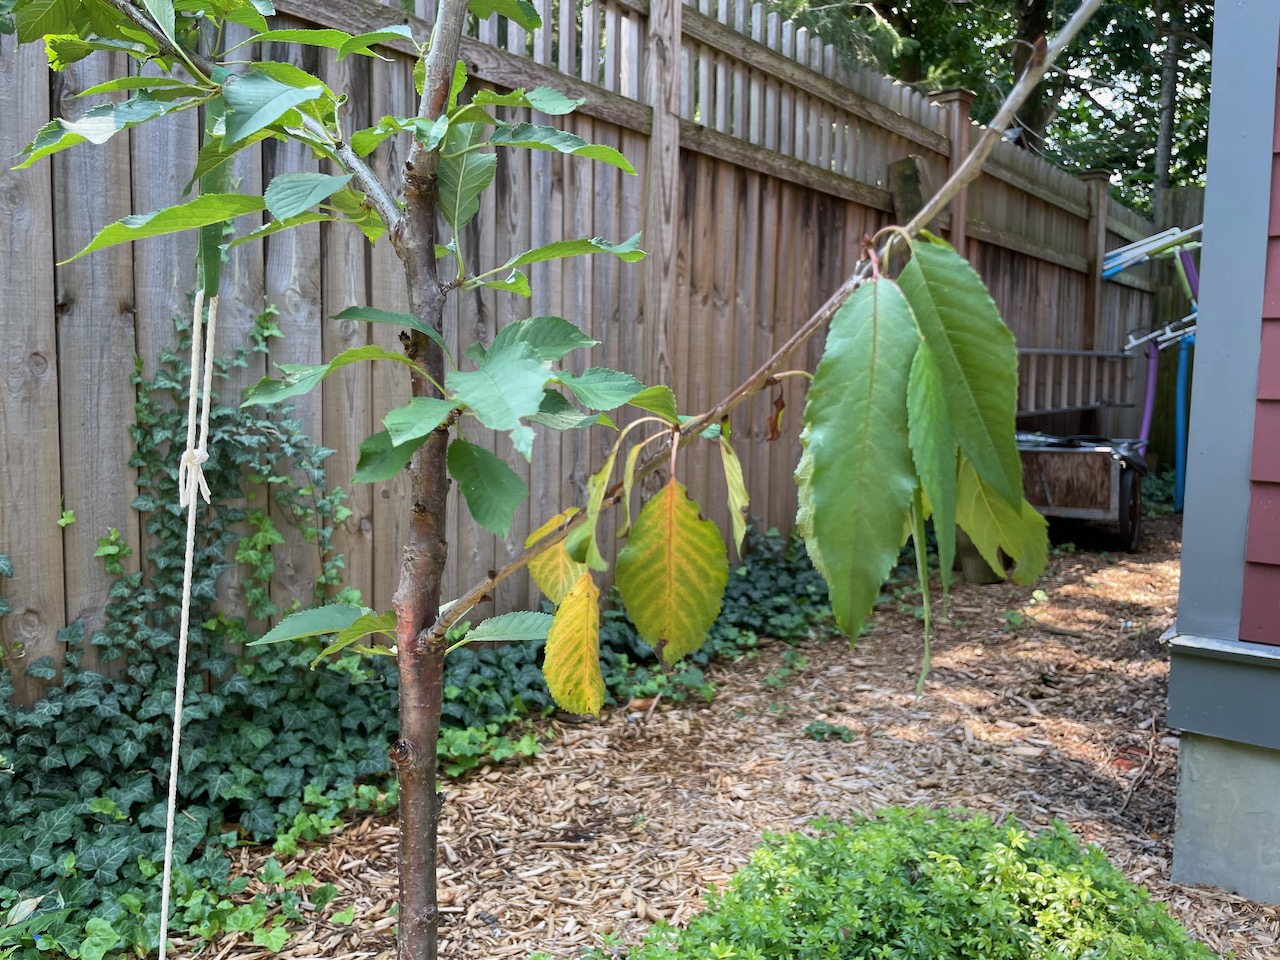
pixel 1039 709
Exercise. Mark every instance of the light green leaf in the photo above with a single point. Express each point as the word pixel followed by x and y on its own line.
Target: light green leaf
pixel 291 193
pixel 933 449
pixel 383 624
pixel 162 13
pixel 256 100
pixel 581 543
pixel 273 938
pixel 599 388
pixel 200 212
pixel 628 485
pixel 512 627
pixel 737 488
pixel 672 573
pixel 534 137
pixel 464 173
pixel 406 320
pixel 551 338
pixel 100 936
pixel 856 477
pixel 506 389
pixel 456 85
pixel 657 400
pixel 553 570
pixel 217 152
pixel 710 431
pixel 67 49
pixel 98 125
pixel 272 227
pixel 384 35
pixel 316 622
pixel 381 459
pixel 291 75
pixel 516 283
pixel 329 39
pixel 364 142
pixel 302 378
pixel 978 360
pixel 39 18
pixel 520 12
pixel 491 489
pixel 153 85
pixel 431 133
pixel 628 251
pixel 994 525
pixel 417 419
pixel 571 664
pixel 543 99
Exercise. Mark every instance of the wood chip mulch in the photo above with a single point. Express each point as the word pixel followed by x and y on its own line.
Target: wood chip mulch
pixel 1039 709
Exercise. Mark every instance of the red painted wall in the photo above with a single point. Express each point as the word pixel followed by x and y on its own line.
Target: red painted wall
pixel 1260 605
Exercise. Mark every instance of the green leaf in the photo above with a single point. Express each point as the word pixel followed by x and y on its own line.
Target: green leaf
pixel 364 142
pixel 628 485
pixel 492 489
pixel 200 212
pixel 737 488
pixel 672 573
pixel 534 137
pixel 162 13
pixel 543 99
pixel 572 661
pixel 628 251
pixel 382 624
pixel 291 193
pixel 599 388
pixel 384 35
pixel 512 627
pixel 552 338
pixel 516 283
pixel 273 938
pixel 581 542
pixel 520 12
pixel 856 478
pixel 98 125
pixel 39 18
pixel 291 75
pixel 417 419
pixel 559 414
pixel 100 936
pixel 65 50
pixel 330 39
pixel 381 458
pixel 431 133
pixel 506 389
pixel 553 570
pixel 456 85
pixel 657 400
pixel 994 525
pixel 978 360
pixel 316 622
pixel 272 227
pixel 933 449
pixel 216 152
pixel 406 320
pixel 351 204
pixel 303 378
pixel 256 100
pixel 464 173
pixel 153 85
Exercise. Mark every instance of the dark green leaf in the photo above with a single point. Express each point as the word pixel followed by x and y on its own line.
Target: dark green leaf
pixel 512 627
pixel 464 173
pixel 291 193
pixel 551 338
pixel 520 12
pixel 534 137
pixel 302 378
pixel 628 251
pixel 599 388
pixel 200 212
pixel 316 622
pixel 381 459
pixel 406 320
pixel 256 100
pixel 491 489
pixel 385 35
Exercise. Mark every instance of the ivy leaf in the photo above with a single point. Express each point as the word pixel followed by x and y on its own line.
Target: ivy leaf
pixel 672 573
pixel 55 826
pixel 572 662
pixel 856 478
pixel 416 419
pixel 599 388
pixel 381 458
pixel 200 212
pixel 520 12
pixel 534 137
pixel 303 378
pixel 256 100
pixel 406 320
pixel 506 388
pixel 994 525
pixel 657 400
pixel 292 193
pixel 464 173
pixel 100 935
pixel 512 627
pixel 551 338
pixel 628 251
pixel 554 571
pixel 978 360
pixel 933 449
pixel 316 622
pixel 737 488
pixel 492 489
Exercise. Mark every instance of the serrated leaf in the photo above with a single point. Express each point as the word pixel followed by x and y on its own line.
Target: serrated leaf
pixel 381 458
pixel 551 338
pixel 491 489
pixel 554 571
pixel 516 283
pixel 559 414
pixel 302 378
pixel 739 501
pixel 200 212
pixel 628 251
pixel 599 388
pixel 581 542
pixel 933 450
pixel 327 38
pixel 520 12
pixel 256 100
pixel 457 84
pixel 364 142
pixel 506 388
pixel 40 18
pixel 416 419
pixel 856 477
pixel 97 125
pixel 657 400
pixel 160 84
pixel 216 152
pixel 316 622
pixel 406 320
pixel 361 43
pixel 432 133
pixel 464 173
pixel 67 49
pixel 572 662
pixel 543 99
pixel 272 227
pixel 994 525
pixel 978 360
pixel 383 624
pixel 672 573
pixel 162 14
pixel 512 627
pixel 534 137
pixel 292 193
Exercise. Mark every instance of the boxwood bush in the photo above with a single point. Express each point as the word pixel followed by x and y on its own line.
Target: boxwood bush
pixel 913 884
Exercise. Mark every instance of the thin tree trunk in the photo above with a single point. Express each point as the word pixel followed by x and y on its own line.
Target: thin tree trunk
pixel 1034 18
pixel 1168 107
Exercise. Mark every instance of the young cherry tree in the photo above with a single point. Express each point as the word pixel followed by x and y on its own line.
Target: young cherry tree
pixel 909 415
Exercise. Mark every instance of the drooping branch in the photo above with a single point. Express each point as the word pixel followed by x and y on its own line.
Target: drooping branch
pixel 964 174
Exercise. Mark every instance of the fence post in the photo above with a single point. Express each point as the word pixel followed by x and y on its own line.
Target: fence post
pixel 1099 182
pixel 958 102
pixel 662 200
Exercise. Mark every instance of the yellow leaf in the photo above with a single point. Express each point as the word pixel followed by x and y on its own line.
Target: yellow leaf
pixel 737 488
pixel 572 664
pixel 555 523
pixel 555 572
pixel 993 524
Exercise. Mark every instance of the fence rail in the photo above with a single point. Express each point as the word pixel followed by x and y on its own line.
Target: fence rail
pixel 763 162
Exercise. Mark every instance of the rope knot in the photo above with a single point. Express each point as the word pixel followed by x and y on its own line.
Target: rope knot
pixel 191 476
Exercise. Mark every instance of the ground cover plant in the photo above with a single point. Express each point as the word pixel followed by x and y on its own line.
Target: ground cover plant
pixel 909 414
pixel 915 883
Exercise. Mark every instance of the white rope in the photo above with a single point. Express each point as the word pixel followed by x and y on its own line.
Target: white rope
pixel 190 482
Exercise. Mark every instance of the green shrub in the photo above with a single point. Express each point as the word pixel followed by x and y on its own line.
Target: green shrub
pixel 1157 493
pixel 925 885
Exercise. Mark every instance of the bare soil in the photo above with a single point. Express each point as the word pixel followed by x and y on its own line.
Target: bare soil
pixel 1039 709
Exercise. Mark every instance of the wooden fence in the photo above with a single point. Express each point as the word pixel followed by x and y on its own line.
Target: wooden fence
pixel 763 162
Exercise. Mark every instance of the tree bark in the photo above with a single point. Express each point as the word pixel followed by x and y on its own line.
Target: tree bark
pixel 1034 18
pixel 1168 107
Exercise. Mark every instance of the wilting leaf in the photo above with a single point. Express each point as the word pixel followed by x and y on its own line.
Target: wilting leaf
pixel 572 662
